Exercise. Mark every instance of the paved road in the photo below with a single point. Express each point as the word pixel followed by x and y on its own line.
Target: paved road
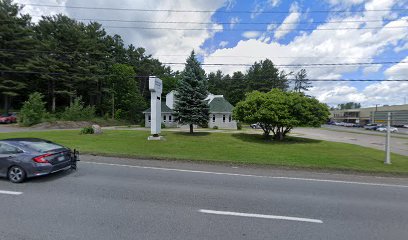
pixel 197 201
pixel 399 144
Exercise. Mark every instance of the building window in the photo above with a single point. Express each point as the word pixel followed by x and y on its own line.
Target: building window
pixel 213 117
pixel 229 118
pixel 169 118
pixel 150 118
pixel 223 118
pixel 164 118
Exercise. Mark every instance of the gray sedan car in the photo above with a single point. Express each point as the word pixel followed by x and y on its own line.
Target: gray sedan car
pixel 22 158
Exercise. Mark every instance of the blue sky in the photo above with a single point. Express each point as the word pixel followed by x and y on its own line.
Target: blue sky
pixel 229 36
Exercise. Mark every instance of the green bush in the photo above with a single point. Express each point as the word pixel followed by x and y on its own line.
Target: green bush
pixel 49 117
pixel 163 126
pixel 215 127
pixel 33 110
pixel 239 126
pixel 142 123
pixel 87 130
pixel 77 112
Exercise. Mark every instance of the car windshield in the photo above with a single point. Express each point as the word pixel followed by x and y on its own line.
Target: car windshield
pixel 42 146
pixel 5 115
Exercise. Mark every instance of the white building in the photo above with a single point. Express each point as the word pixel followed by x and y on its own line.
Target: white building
pixel 220 112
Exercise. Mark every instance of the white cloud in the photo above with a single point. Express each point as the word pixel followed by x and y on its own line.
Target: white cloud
pixel 234 21
pixel 261 6
pixel 271 27
pixel 274 3
pixel 346 3
pixel 251 34
pixel 386 93
pixel 230 4
pixel 334 94
pixel 401 47
pixel 289 23
pixel 372 69
pixel 398 71
pixel 351 46
pixel 36 12
pixel 223 44
pixel 167 45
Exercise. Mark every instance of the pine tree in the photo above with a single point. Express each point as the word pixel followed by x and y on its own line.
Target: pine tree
pixel 264 77
pixel 191 107
pixel 15 39
pixel 59 59
pixel 301 81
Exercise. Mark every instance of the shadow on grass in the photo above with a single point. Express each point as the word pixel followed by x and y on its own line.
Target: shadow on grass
pixel 258 138
pixel 196 134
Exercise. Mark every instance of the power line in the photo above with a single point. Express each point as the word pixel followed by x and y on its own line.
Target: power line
pixel 140 76
pixel 250 29
pixel 295 65
pixel 186 55
pixel 225 23
pixel 226 64
pixel 235 30
pixel 207 11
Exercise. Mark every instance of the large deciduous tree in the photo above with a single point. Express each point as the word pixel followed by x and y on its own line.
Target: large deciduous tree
pixel 126 99
pixel 191 107
pixel 278 112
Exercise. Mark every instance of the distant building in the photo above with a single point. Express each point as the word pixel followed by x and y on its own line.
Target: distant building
pixel 220 112
pixel 372 115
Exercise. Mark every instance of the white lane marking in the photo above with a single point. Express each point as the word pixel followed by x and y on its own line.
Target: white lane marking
pixel 10 192
pixel 249 175
pixel 254 215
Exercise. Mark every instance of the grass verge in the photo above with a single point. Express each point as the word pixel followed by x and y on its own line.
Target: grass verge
pixel 239 148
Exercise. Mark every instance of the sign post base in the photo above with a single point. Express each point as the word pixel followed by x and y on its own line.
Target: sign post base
pixel 156 138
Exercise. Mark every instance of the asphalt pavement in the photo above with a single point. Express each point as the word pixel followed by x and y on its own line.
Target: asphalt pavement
pixel 365 138
pixel 110 198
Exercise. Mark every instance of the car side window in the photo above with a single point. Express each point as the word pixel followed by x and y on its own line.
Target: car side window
pixel 7 149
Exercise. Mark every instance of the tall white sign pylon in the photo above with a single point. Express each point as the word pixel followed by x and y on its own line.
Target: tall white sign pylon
pixel 156 88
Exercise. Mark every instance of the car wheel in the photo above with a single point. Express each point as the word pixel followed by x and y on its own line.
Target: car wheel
pixel 16 174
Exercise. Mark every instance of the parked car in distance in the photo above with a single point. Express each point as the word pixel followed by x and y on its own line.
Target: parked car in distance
pixel 349 124
pixel 22 158
pixel 255 126
pixel 8 118
pixel 372 126
pixel 384 129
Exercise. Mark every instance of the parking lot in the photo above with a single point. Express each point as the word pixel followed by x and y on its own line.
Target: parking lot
pixel 358 136
pixel 362 130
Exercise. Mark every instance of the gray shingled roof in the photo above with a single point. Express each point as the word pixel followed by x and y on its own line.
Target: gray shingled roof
pixel 164 109
pixel 217 105
pixel 220 105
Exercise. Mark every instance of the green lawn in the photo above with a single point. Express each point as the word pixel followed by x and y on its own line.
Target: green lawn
pixel 228 147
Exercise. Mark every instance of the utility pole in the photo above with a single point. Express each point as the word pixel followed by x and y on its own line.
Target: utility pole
pixel 388 141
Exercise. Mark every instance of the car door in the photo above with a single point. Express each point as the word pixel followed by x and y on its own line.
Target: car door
pixel 7 153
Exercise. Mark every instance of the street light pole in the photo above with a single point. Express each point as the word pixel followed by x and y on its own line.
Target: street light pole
pixel 388 141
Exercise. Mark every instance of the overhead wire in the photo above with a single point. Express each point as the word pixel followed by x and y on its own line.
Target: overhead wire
pixel 205 11
pixel 140 76
pixel 223 64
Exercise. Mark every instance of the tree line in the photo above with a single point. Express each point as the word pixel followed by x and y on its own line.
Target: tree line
pixel 64 60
